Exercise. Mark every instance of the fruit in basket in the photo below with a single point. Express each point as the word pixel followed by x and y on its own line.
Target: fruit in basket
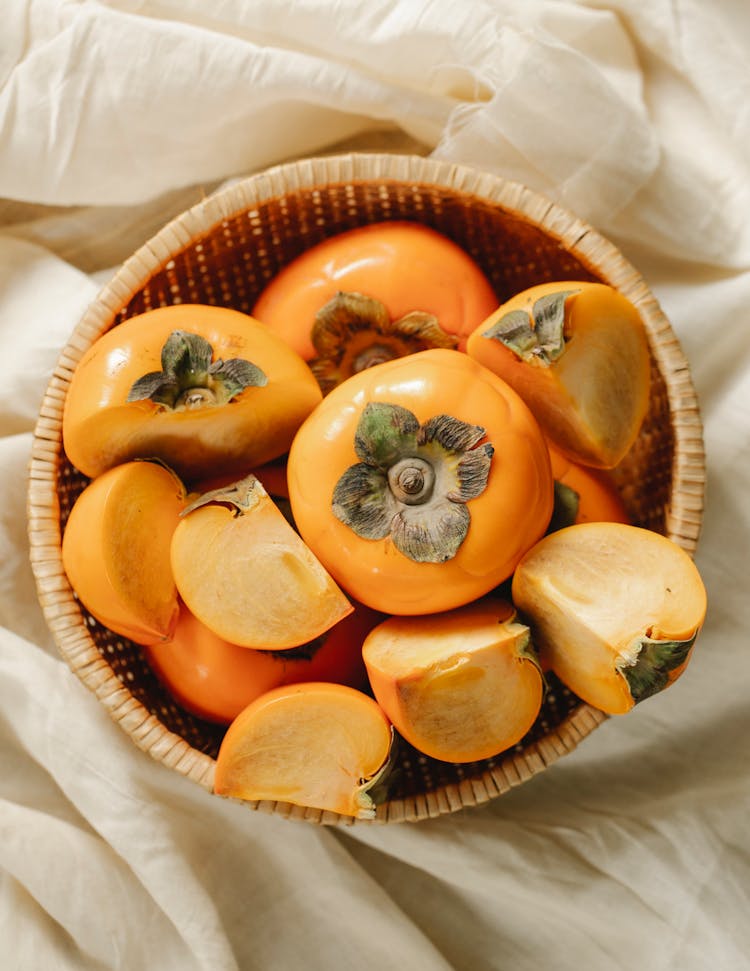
pixel 614 610
pixel 205 389
pixel 215 680
pixel 375 293
pixel 315 744
pixel 459 686
pixel 115 550
pixel 420 483
pixel 583 494
pixel 245 573
pixel 577 353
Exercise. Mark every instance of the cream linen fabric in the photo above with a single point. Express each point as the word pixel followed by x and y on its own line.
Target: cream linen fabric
pixel 633 852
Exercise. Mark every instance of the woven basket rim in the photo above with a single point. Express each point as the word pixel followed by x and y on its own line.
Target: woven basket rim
pixel 590 247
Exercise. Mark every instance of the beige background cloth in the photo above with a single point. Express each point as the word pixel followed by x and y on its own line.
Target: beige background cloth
pixel 633 852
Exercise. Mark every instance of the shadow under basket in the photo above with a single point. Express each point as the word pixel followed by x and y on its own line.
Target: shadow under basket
pixel 223 251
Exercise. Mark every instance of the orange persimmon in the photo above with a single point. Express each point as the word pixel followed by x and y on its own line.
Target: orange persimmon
pixel 578 354
pixel 215 680
pixel 315 744
pixel 115 549
pixel 205 389
pixel 420 483
pixel 245 573
pixel 583 494
pixel 458 686
pixel 375 293
pixel 614 610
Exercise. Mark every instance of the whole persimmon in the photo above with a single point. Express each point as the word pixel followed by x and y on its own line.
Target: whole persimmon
pixel 204 389
pixel 583 494
pixel 420 483
pixel 375 293
pixel 215 680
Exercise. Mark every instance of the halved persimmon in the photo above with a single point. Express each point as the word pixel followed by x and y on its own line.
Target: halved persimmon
pixel 215 680
pixel 321 745
pixel 459 686
pixel 578 354
pixel 375 293
pixel 246 574
pixel 115 550
pixel 614 610
pixel 205 389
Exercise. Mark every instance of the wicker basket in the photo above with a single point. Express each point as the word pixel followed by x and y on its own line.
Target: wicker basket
pixel 223 251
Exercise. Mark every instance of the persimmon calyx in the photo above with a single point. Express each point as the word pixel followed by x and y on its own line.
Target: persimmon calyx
pixel 190 379
pixel 374 790
pixel 241 496
pixel 565 509
pixel 353 332
pixel 536 337
pixel 647 664
pixel 413 482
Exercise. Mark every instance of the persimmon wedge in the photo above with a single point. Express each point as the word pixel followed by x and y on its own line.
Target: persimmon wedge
pixel 459 686
pixel 245 573
pixel 614 610
pixel 316 744
pixel 577 353
pixel 115 550
pixel 215 680
pixel 204 389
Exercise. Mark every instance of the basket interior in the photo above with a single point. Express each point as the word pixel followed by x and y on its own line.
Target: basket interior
pixel 229 265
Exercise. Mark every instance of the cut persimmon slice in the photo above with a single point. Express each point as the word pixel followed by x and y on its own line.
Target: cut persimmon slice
pixel 115 550
pixel 578 354
pixel 459 686
pixel 321 745
pixel 614 610
pixel 244 572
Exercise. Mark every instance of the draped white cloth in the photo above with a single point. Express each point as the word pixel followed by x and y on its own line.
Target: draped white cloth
pixel 630 853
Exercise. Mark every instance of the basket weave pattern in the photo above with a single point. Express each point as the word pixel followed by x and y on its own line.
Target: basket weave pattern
pixel 223 252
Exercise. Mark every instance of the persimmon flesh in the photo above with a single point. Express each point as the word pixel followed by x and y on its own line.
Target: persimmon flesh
pixel 245 573
pixel 614 610
pixel 459 686
pixel 315 744
pixel 115 550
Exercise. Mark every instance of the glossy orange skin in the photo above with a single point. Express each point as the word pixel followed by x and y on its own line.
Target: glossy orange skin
pixel 215 680
pixel 506 519
pixel 598 498
pixel 405 265
pixel 101 428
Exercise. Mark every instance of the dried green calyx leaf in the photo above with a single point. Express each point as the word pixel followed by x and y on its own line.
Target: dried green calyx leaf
pixel 190 379
pixel 536 337
pixel 241 496
pixel 413 481
pixel 353 331
pixel 654 660
pixel 565 509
